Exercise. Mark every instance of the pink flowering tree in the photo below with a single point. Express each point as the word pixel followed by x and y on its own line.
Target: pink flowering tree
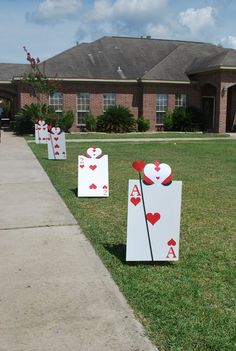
pixel 37 80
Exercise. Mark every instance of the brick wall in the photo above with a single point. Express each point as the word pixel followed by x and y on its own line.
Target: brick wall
pixel 151 90
pixel 140 98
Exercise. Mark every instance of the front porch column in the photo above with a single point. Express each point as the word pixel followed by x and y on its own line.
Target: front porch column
pixel 221 108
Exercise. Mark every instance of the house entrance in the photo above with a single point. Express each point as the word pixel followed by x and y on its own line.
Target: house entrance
pixel 208 108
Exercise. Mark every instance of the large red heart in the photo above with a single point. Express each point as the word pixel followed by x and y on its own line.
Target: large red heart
pixel 135 200
pixel 138 165
pixel 153 217
pixel 92 167
pixel 56 153
pixel 92 186
pixel 171 242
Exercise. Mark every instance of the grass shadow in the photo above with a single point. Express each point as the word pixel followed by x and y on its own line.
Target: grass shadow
pixel 119 251
pixel 74 191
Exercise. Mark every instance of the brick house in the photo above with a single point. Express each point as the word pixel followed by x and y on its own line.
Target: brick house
pixel 146 75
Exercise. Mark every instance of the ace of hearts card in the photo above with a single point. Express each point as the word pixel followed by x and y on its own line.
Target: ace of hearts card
pixel 93 174
pixel 153 222
pixel 56 144
pixel 41 132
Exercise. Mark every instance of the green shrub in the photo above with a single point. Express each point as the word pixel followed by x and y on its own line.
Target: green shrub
pixel 116 119
pixel 90 122
pixel 168 121
pixel 182 119
pixel 30 114
pixel 23 124
pixel 66 120
pixel 143 124
pixel 27 116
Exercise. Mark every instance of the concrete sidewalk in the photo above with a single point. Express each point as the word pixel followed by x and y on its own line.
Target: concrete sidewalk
pixel 55 294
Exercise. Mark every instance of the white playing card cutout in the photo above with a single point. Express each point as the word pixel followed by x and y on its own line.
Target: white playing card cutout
pixel 56 144
pixel 93 174
pixel 41 132
pixel 153 223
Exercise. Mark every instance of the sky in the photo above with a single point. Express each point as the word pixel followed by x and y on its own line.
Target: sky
pixel 48 27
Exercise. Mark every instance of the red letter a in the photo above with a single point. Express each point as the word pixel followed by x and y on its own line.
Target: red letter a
pixel 171 252
pixel 135 191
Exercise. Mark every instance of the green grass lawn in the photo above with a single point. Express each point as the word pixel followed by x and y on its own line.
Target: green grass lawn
pixel 186 305
pixel 138 135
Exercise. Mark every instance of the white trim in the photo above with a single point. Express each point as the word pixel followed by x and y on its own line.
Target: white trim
pixel 166 81
pixel 114 80
pixel 87 80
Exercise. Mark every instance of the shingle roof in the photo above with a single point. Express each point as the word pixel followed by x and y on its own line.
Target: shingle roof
pixel 119 58
pixel 10 70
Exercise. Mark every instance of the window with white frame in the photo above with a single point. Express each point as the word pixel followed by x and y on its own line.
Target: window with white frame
pixel 109 99
pixel 161 107
pixel 83 100
pixel 180 100
pixel 56 101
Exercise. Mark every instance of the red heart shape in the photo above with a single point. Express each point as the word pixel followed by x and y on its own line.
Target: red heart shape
pixel 56 138
pixel 92 167
pixel 105 187
pixel 153 217
pixel 81 166
pixel 56 153
pixel 57 146
pixel 171 242
pixel 138 165
pixel 135 200
pixel 92 186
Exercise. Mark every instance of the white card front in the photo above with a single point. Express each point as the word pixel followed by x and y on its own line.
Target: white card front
pixel 93 176
pixel 153 225
pixel 56 145
pixel 41 132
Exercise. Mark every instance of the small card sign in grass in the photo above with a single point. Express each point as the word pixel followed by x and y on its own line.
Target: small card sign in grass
pixel 154 206
pixel 41 132
pixel 56 144
pixel 93 174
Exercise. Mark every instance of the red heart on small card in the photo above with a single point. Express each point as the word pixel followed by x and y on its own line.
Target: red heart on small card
pixel 105 187
pixel 135 200
pixel 57 146
pixel 92 167
pixel 138 165
pixel 93 186
pixel 81 166
pixel 153 217
pixel 56 138
pixel 56 153
pixel 171 242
